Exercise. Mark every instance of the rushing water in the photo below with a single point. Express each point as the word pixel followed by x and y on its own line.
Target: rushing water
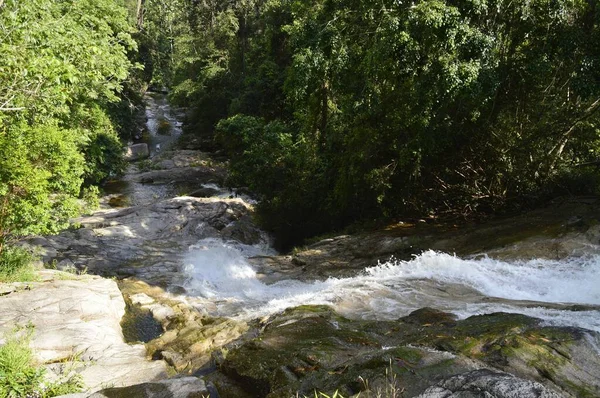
pixel 219 273
pixel 565 292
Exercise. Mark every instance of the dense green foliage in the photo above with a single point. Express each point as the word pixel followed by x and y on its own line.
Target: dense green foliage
pixel 16 265
pixel 62 68
pixel 335 111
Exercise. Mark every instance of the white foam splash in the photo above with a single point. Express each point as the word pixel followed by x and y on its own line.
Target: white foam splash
pixel 219 272
pixel 574 280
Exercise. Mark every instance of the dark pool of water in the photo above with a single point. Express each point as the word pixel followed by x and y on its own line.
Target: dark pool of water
pixel 139 325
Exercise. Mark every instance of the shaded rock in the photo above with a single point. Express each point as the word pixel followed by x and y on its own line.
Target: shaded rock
pixel 487 383
pixel 244 231
pixel 562 229
pixel 136 152
pixel 166 164
pixel 185 387
pixel 204 192
pixel 312 347
pixel 188 175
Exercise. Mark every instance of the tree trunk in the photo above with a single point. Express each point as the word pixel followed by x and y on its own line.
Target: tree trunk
pixel 139 14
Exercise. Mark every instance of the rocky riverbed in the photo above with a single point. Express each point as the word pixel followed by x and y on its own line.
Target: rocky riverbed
pixel 171 290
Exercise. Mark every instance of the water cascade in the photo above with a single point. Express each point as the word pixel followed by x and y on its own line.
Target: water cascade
pixel 560 292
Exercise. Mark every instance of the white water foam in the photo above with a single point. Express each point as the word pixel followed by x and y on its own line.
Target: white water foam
pixel 220 273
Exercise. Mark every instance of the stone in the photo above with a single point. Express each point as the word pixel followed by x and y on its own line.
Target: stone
pixel 312 347
pixel 149 241
pixel 204 192
pixel 136 152
pixel 141 299
pixel 183 387
pixel 190 337
pixel 485 383
pixel 79 317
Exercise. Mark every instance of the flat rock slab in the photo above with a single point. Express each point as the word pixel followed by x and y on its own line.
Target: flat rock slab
pixel 79 317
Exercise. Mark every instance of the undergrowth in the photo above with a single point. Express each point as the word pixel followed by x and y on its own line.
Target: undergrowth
pixel 16 265
pixel 21 377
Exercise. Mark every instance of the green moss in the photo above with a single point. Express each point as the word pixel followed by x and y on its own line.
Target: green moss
pixel 407 354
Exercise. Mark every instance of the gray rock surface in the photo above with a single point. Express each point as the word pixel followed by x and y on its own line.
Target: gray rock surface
pixel 186 387
pixel 147 241
pixel 486 383
pixel 78 317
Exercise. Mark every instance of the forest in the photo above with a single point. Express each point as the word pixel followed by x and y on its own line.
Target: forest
pixel 342 112
pixel 332 113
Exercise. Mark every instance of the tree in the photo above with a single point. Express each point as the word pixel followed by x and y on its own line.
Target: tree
pixel 435 107
pixel 61 64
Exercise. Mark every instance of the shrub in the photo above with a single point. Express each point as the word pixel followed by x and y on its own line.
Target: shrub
pixel 19 377
pixel 16 265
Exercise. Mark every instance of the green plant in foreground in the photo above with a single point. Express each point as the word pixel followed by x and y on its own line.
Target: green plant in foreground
pixel 19 375
pixel 389 390
pixel 18 378
pixel 16 265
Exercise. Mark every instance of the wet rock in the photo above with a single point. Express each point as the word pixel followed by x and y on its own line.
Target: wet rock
pixel 149 241
pixel 564 357
pixel 244 231
pixel 312 347
pixel 487 383
pixel 188 175
pixel 190 336
pixel 78 316
pixel 551 233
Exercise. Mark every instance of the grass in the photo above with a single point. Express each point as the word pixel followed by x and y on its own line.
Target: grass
pixel 19 375
pixel 390 389
pixel 16 265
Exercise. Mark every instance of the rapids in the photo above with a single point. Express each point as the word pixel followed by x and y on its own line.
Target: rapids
pixel 563 293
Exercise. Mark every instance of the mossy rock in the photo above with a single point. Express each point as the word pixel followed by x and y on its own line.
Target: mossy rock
pixel 522 346
pixel 312 348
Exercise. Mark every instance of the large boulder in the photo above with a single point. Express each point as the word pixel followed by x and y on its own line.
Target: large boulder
pixel 136 152
pixel 77 317
pixel 148 242
pixel 313 348
pixel 186 387
pixel 486 383
pixel 189 336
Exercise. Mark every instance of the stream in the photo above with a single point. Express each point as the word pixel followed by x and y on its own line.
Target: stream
pixel 220 279
pixel 563 293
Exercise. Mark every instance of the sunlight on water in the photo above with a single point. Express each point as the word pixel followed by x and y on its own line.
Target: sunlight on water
pixel 219 273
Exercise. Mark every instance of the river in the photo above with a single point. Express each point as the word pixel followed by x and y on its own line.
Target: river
pixel 220 278
pixel 562 292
